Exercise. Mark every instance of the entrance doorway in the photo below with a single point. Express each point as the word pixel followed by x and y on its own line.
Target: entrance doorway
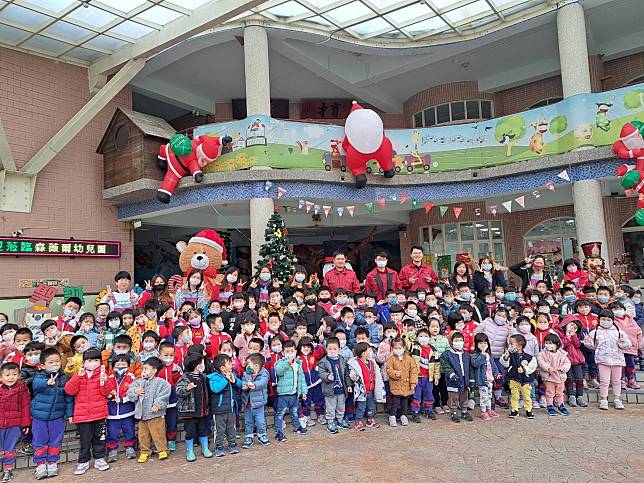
pixel 556 240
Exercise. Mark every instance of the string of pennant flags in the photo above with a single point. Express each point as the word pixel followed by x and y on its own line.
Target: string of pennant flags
pixel 402 198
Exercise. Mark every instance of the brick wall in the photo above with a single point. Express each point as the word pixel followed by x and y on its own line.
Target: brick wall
pixel 623 70
pixel 617 211
pixel 520 98
pixel 37 97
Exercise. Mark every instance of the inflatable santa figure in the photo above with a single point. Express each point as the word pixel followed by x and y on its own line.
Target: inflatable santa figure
pixel 630 145
pixel 364 140
pixel 181 157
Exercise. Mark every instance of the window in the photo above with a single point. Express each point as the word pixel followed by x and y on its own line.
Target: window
pixel 632 260
pixel 478 238
pixel 556 240
pixel 546 102
pixel 454 112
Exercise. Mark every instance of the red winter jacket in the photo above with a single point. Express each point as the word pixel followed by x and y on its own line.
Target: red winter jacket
pixel 572 346
pixel 14 406
pixel 377 282
pixel 419 273
pixel 90 402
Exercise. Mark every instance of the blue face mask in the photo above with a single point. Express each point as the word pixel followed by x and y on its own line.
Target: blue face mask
pixel 570 298
pixel 510 297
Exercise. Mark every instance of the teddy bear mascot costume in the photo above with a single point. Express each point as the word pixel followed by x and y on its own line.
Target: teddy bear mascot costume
pixel 182 156
pixel 630 145
pixel 205 252
pixel 364 140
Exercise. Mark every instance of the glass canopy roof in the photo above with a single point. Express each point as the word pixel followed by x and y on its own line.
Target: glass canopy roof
pixel 84 31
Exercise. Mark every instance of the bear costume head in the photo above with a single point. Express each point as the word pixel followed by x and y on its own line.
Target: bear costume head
pixel 204 252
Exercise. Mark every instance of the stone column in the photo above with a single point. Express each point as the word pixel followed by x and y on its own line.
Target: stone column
pixel 258 101
pixel 589 214
pixel 573 50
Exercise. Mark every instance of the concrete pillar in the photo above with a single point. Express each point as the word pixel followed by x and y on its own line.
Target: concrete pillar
pixel 573 50
pixel 589 214
pixel 258 101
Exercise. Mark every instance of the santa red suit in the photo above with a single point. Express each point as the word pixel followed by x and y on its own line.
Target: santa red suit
pixel 630 145
pixel 364 140
pixel 205 149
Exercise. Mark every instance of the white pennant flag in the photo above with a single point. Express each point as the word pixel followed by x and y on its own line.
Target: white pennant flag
pixel 327 210
pixel 316 209
pixel 508 206
pixel 300 204
pixel 520 200
pixel 564 175
pixel 340 210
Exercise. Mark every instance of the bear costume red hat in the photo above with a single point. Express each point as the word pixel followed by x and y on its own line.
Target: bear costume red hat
pixel 364 140
pixel 205 252
pixel 204 150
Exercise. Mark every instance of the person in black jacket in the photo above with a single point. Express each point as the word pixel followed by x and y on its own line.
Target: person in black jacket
pixel 234 318
pixel 489 276
pixel 312 313
pixel 530 271
pixel 192 405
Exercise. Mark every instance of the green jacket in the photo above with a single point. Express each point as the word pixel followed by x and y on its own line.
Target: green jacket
pixel 285 381
pixel 440 345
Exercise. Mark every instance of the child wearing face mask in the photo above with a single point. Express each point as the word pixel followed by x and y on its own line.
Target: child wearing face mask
pixel 222 403
pixel 142 323
pixel 120 415
pixel 198 330
pixel 113 329
pixel 8 333
pixel 448 305
pixel 241 341
pixel 79 344
pixel 568 334
pixel 255 382
pixel 455 367
pixel 90 387
pixel 627 324
pixel 553 366
pixel 150 395
pixel 402 372
pixel 385 349
pixel 217 335
pixel 485 374
pixel 375 329
pixel 291 317
pixel 193 404
pixel 427 359
pixel 171 372
pixel 608 342
pixel 51 408
pixel 193 290
pixel 520 372
pixel 87 327
pixel 336 385
pixel 149 342
pixel 455 322
pixel 122 346
pixel 300 332
pixel 342 301
pixel 21 338
pixel 348 326
pixel 525 328
pixel 574 273
pixel 15 414
pixel 310 356
pixel 368 387
pixel 411 313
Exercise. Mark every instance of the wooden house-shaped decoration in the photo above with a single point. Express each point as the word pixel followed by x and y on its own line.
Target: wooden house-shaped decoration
pixel 130 147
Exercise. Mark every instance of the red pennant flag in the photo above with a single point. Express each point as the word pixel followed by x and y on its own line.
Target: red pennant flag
pixel 428 206
pixel 309 205
pixel 403 198
pixel 457 211
pixel 382 202
pixel 280 192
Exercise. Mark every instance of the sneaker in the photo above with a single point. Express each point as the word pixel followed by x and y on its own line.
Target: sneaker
pixel 343 424
pixel 415 417
pixel 632 384
pixel 112 456
pixel 542 402
pixel 581 402
pixel 618 404
pixel 350 417
pixel 172 445
pixel 562 409
pixel 551 410
pixel 27 449
pixel 360 426
pixel 514 414
pixel 7 476
pixel 431 415
pixel 130 453
pixel 301 430
pixel 279 437
pixel 493 413
pixel 163 455
pixel 439 410
pixel 233 449
pixel 263 440
pixel 302 421
pixel 81 469
pixel 331 427
pixel 502 403
pixel 310 421
pixel 52 469
pixel 466 416
pixel 41 471
pixel 593 384
pixel 219 452
pixel 143 458
pixel 535 404
pixel 101 465
pixel 455 418
pixel 321 419
pixel 248 442
pixel 485 416
pixel 572 401
pixel 529 414
pixel 603 404
pixel 372 423
pixel 392 421
pixel 471 404
pixel 404 421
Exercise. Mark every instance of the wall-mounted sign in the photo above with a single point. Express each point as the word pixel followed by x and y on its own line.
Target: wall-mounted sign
pixel 45 247
pixel 325 108
pixel 50 282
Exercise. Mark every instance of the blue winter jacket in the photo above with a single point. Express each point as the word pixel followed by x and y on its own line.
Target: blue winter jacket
pixel 222 399
pixel 258 397
pixel 51 402
pixel 479 364
pixel 458 378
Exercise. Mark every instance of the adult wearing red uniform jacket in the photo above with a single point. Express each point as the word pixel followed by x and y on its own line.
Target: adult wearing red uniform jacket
pixel 340 276
pixel 416 274
pixel 381 279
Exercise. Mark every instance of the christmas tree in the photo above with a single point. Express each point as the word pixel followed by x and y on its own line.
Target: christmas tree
pixel 277 252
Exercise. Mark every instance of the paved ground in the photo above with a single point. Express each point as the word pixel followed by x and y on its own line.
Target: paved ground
pixel 587 446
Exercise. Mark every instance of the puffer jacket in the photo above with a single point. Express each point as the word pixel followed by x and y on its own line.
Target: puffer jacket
pixel 121 407
pixel 257 397
pixel 222 399
pixel 558 361
pixel 456 368
pixel 498 335
pixel 192 403
pixel 406 382
pixel 14 406
pixel 157 393
pixel 514 362
pixel 325 368
pixel 90 403
pixel 285 378
pixel 479 363
pixel 634 333
pixel 572 346
pixel 51 402
pixel 608 347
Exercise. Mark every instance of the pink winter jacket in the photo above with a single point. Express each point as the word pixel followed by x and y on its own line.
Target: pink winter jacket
pixel 609 349
pixel 558 361
pixel 634 333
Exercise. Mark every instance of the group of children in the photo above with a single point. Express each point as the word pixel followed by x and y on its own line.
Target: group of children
pixel 124 376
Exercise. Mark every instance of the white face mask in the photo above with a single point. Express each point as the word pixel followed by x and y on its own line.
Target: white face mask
pixel 606 323
pixel 343 343
pixel 148 346
pixel 195 281
pixel 412 313
pixel 550 347
pixel 231 278
pixel 299 277
pixel 399 352
pixel 619 313
pixel 458 344
pixel 381 263
pixel 423 340
pixel 524 329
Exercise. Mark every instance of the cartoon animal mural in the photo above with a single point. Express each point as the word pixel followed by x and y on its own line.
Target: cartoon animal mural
pixel 303 146
pixel 537 142
pixel 601 117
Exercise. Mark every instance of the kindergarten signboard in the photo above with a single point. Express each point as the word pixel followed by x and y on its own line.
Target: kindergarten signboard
pixel 46 247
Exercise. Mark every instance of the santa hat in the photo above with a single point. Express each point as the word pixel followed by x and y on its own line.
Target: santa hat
pixel 355 106
pixel 212 239
pixel 209 148
pixel 628 130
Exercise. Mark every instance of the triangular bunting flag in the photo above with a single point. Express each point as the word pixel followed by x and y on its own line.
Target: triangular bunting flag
pixel 382 202
pixel 369 207
pixel 309 205
pixel 493 209
pixel 564 175
pixel 268 185
pixel 550 185
pixel 340 210
pixel 428 206
pixel 327 210
pixel 507 205
pixel 316 209
pixel 443 210
pixel 403 198
pixel 300 204
pixel 351 209
pixel 414 202
pixel 520 200
pixel 280 192
pixel 457 211
pixel 393 197
pixel 277 208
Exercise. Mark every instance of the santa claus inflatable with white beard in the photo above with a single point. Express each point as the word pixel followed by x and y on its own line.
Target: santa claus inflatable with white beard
pixel 364 140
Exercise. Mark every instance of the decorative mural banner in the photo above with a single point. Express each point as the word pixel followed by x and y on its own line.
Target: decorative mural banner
pixel 591 120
